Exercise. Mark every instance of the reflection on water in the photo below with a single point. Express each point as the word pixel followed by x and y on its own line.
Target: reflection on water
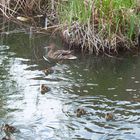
pixel 97 84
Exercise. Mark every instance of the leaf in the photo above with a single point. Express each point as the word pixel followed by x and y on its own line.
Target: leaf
pixel 24 19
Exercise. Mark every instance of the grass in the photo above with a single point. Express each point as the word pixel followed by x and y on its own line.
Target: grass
pixel 74 10
pixel 105 24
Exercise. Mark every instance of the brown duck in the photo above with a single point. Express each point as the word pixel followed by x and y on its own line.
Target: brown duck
pixel 8 128
pixel 80 111
pixel 48 71
pixel 53 53
pixel 109 116
pixel 44 89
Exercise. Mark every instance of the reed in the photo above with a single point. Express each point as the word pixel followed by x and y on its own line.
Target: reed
pixel 101 25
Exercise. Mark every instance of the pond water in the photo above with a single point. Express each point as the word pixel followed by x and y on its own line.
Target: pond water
pixel 98 84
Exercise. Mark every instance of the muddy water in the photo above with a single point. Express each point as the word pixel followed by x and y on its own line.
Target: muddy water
pixel 97 84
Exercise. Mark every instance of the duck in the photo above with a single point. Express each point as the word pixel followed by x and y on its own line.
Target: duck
pixel 135 100
pixel 44 88
pixel 80 111
pixel 109 116
pixel 53 53
pixel 5 138
pixel 48 71
pixel 8 128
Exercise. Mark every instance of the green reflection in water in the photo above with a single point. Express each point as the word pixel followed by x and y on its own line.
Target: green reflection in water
pixel 100 84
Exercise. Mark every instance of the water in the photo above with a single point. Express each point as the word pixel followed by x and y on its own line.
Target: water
pixel 97 84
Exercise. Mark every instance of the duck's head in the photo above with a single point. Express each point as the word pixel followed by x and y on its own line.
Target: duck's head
pixel 109 116
pixel 80 112
pixel 51 46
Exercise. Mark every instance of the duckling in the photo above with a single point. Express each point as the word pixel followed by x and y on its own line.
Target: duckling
pixel 80 111
pixel 48 71
pixel 135 100
pixel 109 116
pixel 8 129
pixel 44 89
pixel 4 138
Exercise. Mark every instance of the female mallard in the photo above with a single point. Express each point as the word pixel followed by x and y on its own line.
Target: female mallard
pixel 58 54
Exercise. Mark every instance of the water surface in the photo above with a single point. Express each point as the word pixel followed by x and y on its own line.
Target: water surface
pixel 97 84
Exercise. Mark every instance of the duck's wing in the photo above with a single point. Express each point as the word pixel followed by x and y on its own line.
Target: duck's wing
pixel 65 56
pixel 45 58
pixel 62 52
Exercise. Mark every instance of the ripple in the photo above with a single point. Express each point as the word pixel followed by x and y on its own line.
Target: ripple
pixel 86 83
pixel 4 48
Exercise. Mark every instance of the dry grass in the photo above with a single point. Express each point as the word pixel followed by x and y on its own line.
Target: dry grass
pixel 28 13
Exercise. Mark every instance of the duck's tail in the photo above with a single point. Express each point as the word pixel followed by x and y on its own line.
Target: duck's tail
pixel 72 57
pixel 46 59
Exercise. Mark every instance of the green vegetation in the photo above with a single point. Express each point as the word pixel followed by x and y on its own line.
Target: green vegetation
pixel 103 25
pixel 94 25
pixel 75 10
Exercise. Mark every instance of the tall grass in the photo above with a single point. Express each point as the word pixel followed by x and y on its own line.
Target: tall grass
pixel 75 10
pixel 103 24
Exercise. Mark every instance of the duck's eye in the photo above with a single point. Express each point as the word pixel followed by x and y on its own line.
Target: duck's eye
pixel 78 109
